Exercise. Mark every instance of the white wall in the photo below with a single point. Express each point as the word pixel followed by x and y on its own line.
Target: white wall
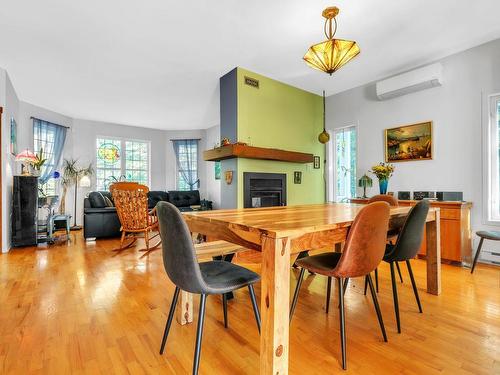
pixel 459 111
pixel 213 188
pixel 10 103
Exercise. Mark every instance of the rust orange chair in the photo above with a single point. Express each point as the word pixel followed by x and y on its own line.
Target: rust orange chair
pixel 131 201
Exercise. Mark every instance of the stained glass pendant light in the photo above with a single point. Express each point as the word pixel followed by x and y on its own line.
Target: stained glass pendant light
pixel 330 55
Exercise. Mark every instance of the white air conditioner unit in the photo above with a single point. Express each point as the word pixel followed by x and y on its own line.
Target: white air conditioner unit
pixel 406 83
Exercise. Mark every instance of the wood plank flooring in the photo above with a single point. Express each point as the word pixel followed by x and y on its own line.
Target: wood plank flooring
pixel 81 308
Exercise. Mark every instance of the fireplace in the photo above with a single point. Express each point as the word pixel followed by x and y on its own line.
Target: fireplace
pixel 264 189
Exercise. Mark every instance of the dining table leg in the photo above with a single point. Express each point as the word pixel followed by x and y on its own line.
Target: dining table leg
pixel 433 255
pixel 185 308
pixel 275 301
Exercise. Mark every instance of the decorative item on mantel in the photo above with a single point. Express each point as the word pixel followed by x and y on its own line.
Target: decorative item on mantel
pixel 383 171
pixel 365 182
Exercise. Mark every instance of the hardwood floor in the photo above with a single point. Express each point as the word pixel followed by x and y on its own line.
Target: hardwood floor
pixel 84 309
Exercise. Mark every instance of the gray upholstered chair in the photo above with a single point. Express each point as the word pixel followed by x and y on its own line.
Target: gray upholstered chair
pixel 183 269
pixel 406 248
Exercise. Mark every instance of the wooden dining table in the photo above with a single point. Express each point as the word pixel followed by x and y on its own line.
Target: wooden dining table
pixel 280 233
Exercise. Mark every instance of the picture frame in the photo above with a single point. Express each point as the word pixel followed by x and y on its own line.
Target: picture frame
pixel 217 170
pixel 297 177
pixel 316 162
pixel 13 136
pixel 409 143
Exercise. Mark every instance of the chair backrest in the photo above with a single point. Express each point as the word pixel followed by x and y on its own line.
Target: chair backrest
pixel 365 244
pixel 412 233
pixel 384 198
pixel 131 202
pixel 179 255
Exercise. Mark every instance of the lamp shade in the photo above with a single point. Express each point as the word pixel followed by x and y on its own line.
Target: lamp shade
pixel 85 181
pixel 26 156
pixel 330 55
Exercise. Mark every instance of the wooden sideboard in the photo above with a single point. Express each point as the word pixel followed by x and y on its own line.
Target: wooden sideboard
pixel 456 238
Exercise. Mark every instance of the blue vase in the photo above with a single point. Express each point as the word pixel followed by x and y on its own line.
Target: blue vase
pixel 383 186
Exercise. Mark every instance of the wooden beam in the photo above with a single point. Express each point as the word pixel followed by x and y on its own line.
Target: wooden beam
pixel 250 152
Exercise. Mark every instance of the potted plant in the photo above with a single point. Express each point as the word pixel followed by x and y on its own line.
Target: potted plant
pixel 71 174
pixel 383 171
pixel 38 162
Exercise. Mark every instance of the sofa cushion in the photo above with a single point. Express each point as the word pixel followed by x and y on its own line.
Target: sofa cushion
pixel 156 196
pixel 102 210
pixel 184 198
pixel 97 199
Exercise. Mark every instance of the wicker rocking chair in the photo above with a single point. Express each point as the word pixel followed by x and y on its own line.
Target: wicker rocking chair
pixel 131 201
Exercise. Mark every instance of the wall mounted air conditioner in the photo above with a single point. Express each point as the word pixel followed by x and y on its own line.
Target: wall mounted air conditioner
pixel 406 83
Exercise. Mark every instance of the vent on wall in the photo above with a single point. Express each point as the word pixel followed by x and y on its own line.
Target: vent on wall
pixel 252 82
pixel 406 83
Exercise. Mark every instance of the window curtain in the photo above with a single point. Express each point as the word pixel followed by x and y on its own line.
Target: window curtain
pixel 186 154
pixel 50 137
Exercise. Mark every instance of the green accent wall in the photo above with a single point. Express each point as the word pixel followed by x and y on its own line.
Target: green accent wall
pixel 277 115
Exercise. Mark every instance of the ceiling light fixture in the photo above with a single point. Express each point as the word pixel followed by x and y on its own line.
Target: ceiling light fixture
pixel 330 55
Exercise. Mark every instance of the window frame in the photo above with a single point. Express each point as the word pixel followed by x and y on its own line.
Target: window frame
pixel 54 188
pixel 492 198
pixel 123 157
pixel 177 171
pixel 332 167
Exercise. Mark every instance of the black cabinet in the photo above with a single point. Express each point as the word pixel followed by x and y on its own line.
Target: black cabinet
pixel 24 211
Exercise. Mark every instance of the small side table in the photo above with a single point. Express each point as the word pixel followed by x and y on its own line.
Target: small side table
pixel 51 225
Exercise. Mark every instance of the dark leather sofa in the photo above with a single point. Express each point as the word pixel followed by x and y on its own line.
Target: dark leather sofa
pixel 101 220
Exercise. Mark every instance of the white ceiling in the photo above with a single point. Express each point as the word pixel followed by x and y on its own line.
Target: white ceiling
pixel 156 63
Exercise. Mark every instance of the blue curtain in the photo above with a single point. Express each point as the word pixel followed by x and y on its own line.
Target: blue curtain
pixel 186 154
pixel 50 137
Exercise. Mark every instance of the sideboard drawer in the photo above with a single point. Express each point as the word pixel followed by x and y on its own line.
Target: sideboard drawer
pixel 450 213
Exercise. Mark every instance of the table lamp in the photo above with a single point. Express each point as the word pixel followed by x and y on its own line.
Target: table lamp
pixel 365 182
pixel 27 157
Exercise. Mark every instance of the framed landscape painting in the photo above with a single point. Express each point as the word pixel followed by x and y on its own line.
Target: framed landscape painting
pixel 409 142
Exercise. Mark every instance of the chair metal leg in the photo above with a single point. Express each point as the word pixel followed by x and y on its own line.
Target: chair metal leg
pixel 414 284
pixel 169 320
pixel 199 334
pixel 366 284
pixel 342 323
pixel 296 294
pixel 254 305
pixel 344 285
pixel 344 288
pixel 328 293
pixel 399 272
pixel 377 307
pixel 224 308
pixel 395 296
pixel 476 257
pixel 376 279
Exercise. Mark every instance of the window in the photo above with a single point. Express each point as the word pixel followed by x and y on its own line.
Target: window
pixel 344 166
pixel 186 153
pixel 119 159
pixel 48 138
pixel 494 155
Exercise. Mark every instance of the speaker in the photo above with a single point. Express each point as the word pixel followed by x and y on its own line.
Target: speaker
pixel 450 196
pixel 419 195
pixel 404 195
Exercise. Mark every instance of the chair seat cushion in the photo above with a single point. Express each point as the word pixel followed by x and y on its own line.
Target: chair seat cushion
pixel 489 234
pixel 224 277
pixel 322 264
